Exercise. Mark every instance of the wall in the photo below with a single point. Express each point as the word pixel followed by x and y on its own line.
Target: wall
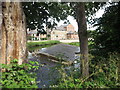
pixel 70 28
pixel 72 36
pixel 43 35
pixel 70 33
pixel 58 35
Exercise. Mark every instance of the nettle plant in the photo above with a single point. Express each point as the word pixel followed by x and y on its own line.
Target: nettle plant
pixel 19 76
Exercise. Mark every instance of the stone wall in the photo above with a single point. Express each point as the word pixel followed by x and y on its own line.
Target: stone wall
pixel 58 35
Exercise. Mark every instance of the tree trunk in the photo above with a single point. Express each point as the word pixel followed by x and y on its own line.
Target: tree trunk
pixel 13 33
pixel 0 25
pixel 82 33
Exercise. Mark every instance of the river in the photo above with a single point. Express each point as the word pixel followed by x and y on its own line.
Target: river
pixel 48 73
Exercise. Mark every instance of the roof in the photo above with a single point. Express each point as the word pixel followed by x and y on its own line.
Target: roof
pixel 62 27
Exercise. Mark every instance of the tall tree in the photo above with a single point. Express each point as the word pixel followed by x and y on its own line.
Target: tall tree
pixel 44 13
pixel 82 33
pixel 13 33
pixel 107 35
pixel 13 30
pixel 0 24
pixel 82 12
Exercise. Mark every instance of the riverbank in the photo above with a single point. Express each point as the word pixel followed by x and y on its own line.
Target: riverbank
pixel 52 58
pixel 103 71
pixel 42 43
pixel 63 41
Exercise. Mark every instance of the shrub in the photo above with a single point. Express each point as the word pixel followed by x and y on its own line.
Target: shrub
pixel 43 38
pixel 104 74
pixel 19 76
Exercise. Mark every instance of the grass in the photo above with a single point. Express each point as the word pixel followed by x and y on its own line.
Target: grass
pixel 74 43
pixel 38 45
pixel 77 43
pixel 42 43
pixel 31 49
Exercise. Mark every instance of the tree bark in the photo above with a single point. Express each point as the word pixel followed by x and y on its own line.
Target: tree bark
pixel 13 33
pixel 83 38
pixel 0 24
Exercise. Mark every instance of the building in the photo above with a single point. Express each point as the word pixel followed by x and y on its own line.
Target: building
pixel 34 35
pixel 58 35
pixel 64 32
pixel 72 35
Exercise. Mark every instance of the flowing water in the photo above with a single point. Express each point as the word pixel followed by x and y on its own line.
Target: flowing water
pixel 48 73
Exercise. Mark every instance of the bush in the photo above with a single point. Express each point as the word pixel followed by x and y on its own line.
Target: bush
pixel 19 76
pixel 104 74
pixel 43 38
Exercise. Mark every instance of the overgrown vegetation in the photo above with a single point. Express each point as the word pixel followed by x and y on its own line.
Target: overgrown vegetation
pixel 19 76
pixel 90 43
pixel 103 74
pixel 104 49
pixel 107 35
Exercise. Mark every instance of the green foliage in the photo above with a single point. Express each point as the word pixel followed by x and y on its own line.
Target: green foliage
pixel 42 12
pixel 108 70
pixel 19 76
pixel 107 35
pixel 43 38
pixel 102 75
pixel 90 43
pixel 90 9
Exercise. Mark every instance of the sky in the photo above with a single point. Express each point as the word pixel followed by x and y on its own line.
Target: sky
pixel 74 23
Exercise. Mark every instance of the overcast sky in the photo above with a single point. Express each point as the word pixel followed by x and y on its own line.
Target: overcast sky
pixel 74 23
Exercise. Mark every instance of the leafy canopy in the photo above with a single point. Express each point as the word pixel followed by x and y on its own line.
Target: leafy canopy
pixel 40 13
pixel 107 36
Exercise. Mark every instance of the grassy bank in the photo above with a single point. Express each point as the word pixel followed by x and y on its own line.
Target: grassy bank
pixel 42 43
pixel 74 43
pixel 77 43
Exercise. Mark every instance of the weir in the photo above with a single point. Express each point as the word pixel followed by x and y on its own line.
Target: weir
pixel 52 57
